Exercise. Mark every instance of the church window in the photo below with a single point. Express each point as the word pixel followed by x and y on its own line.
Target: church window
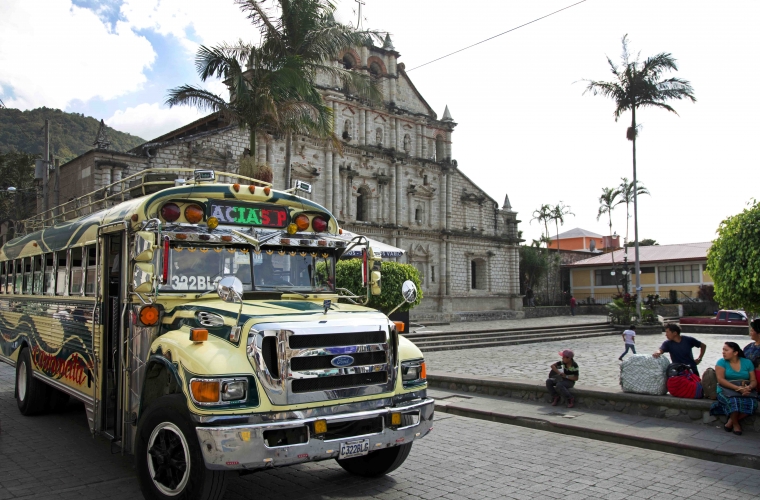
pixel 407 143
pixel 432 274
pixel 348 61
pixel 424 180
pixel 379 137
pixel 375 70
pixel 347 130
pixel 439 148
pixel 418 214
pixel 478 274
pixel 362 204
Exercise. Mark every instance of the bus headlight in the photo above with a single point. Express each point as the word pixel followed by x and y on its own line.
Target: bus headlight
pixel 413 372
pixel 234 390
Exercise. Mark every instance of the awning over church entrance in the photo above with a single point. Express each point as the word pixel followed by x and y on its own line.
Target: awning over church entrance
pixel 385 249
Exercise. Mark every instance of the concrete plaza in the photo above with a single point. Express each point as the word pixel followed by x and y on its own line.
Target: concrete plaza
pixel 55 457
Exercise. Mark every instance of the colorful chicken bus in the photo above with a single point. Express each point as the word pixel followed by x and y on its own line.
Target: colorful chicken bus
pixel 200 324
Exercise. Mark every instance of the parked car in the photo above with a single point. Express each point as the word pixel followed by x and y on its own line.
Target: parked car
pixel 724 317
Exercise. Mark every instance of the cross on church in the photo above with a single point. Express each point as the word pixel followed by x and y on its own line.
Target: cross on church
pixel 359 21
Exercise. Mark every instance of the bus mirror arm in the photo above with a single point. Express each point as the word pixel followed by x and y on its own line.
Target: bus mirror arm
pixel 247 237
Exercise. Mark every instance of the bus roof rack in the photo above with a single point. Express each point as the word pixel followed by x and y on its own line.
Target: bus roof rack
pixel 144 182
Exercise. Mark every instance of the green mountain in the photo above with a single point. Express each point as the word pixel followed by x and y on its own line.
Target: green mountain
pixel 71 134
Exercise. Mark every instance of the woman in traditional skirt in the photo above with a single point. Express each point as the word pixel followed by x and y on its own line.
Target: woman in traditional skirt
pixel 736 380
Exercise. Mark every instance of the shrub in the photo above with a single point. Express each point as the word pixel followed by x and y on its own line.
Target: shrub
pixel 348 275
pixel 250 168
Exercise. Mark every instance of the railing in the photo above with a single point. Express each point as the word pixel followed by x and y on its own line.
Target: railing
pixel 147 181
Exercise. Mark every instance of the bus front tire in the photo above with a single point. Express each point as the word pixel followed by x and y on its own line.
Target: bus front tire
pixel 168 457
pixel 377 463
pixel 31 394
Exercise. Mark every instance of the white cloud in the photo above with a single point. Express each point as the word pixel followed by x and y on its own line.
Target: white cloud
pixel 152 120
pixel 55 52
pixel 193 22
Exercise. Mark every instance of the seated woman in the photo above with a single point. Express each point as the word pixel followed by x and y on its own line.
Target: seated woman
pixel 736 380
pixel 752 350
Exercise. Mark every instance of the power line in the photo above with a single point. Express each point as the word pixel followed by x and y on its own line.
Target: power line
pixel 496 36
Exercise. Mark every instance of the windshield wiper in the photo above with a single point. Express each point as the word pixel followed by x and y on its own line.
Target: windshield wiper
pixel 286 290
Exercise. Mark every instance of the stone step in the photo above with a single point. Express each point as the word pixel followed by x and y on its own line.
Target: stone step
pixel 482 337
pixel 422 336
pixel 413 335
pixel 528 340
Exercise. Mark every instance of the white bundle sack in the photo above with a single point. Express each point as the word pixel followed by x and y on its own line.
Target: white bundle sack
pixel 644 374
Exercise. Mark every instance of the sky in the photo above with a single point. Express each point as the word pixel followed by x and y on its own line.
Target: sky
pixel 525 128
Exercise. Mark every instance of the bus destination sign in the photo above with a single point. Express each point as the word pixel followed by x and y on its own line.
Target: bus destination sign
pixel 248 214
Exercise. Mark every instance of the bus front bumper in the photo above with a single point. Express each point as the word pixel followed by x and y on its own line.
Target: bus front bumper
pixel 243 447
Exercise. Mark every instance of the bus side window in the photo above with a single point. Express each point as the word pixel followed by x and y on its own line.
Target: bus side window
pixel 19 279
pixel 89 288
pixel 2 277
pixel 76 271
pixel 60 282
pixel 27 276
pixel 37 273
pixel 49 286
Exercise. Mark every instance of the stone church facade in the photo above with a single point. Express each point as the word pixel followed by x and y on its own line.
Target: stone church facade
pixel 396 181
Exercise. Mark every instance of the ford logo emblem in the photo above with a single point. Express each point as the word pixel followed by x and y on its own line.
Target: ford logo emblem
pixel 341 361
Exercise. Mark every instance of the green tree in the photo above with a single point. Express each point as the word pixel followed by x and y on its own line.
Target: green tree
pixel 733 260
pixel 18 196
pixel 273 85
pixel 558 214
pixel 534 264
pixel 348 275
pixel 640 84
pixel 609 199
pixel 646 242
pixel 543 215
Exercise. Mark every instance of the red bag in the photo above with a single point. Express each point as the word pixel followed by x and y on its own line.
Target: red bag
pixel 685 385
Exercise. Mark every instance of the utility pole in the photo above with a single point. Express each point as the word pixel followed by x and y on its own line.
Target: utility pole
pixel 359 20
pixel 57 186
pixel 45 173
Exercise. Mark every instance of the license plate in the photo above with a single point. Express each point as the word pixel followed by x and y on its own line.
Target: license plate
pixel 354 448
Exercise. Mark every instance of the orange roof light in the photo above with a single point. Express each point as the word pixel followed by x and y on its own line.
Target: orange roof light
pixel 236 187
pixel 205 391
pixel 302 222
pixel 149 315
pixel 252 189
pixel 198 334
pixel 266 191
pixel 193 214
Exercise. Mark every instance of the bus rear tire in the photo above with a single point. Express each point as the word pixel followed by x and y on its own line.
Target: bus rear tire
pixel 31 394
pixel 168 456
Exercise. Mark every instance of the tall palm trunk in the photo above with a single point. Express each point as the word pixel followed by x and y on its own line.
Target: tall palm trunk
pixel 288 141
pixel 636 216
pixel 612 253
pixel 559 260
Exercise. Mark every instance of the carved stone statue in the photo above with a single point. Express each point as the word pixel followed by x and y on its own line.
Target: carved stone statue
pixel 407 143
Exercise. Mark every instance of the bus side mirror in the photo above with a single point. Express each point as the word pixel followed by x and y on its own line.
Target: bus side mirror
pixel 145 242
pixel 375 265
pixel 142 279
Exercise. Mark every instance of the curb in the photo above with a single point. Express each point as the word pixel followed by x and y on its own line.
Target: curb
pixel 738 459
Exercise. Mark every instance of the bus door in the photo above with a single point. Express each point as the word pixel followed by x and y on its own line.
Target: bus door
pixel 113 259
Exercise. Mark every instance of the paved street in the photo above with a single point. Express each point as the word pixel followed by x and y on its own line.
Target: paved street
pixel 54 457
pixel 596 356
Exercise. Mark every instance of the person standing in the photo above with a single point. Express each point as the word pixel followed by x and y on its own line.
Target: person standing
pixel 572 305
pixel 562 377
pixel 529 296
pixel 629 338
pixel 680 346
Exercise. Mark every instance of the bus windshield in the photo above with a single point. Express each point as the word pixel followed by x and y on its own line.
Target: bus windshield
pixel 199 268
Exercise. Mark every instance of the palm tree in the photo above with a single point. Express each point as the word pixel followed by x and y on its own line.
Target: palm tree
pixel 627 197
pixel 543 215
pixel 636 85
pixel 307 31
pixel 558 213
pixel 273 85
pixel 607 203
